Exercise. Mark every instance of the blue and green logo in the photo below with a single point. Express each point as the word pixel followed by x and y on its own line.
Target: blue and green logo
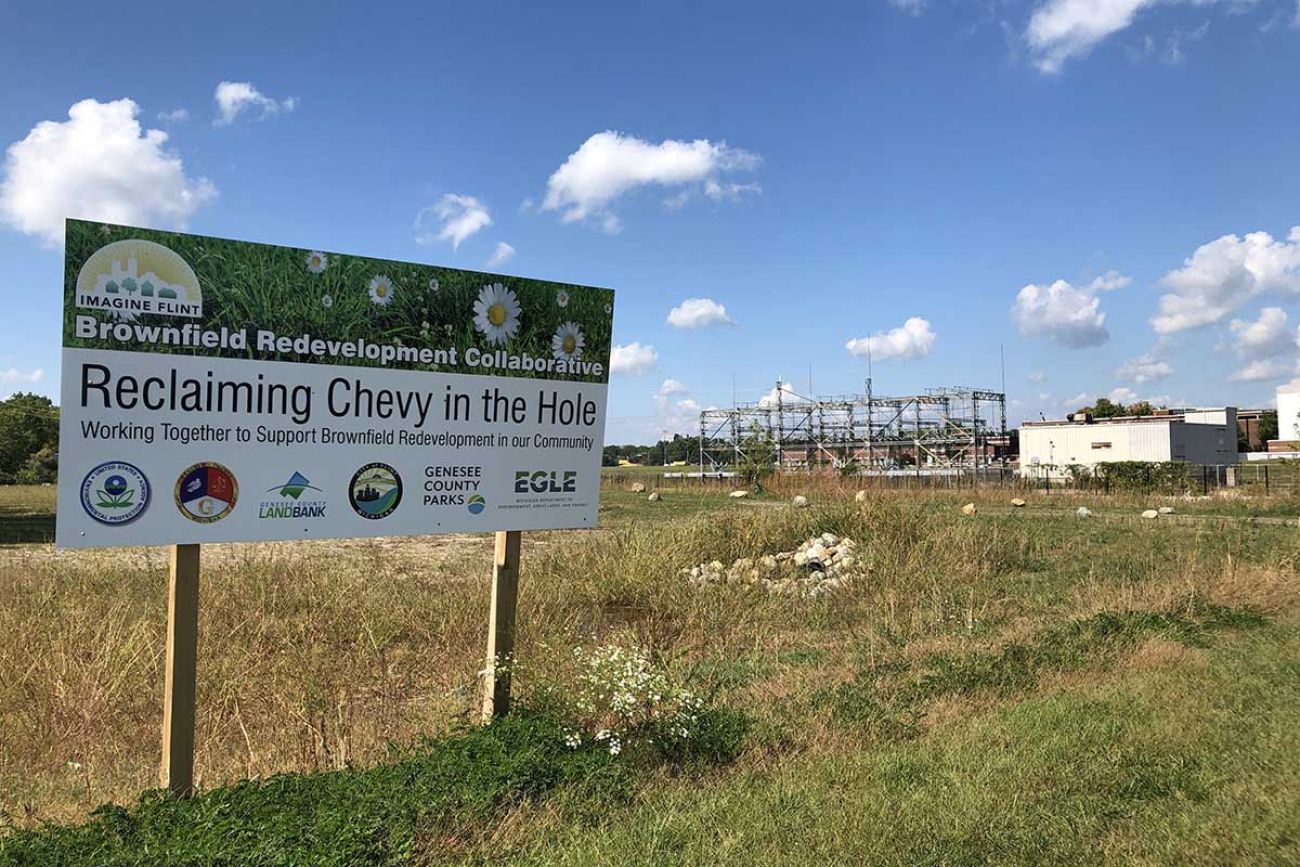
pixel 476 504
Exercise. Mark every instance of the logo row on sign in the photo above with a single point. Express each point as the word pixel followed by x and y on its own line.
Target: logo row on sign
pixel 117 493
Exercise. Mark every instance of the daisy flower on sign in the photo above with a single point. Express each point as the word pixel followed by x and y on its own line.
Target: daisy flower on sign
pixel 567 343
pixel 381 290
pixel 317 261
pixel 609 308
pixel 496 313
pixel 562 298
pixel 433 285
pixel 327 301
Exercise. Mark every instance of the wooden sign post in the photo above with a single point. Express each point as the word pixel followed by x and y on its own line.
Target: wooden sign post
pixel 177 773
pixel 501 625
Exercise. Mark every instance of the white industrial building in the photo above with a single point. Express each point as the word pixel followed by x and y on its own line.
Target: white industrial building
pixel 1195 436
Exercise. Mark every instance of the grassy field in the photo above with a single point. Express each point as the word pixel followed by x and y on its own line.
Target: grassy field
pixel 1020 686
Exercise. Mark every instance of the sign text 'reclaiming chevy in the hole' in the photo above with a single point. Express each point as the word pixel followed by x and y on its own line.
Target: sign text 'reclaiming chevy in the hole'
pixel 220 391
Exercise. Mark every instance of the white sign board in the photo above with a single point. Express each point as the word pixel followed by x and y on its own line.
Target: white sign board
pixel 218 391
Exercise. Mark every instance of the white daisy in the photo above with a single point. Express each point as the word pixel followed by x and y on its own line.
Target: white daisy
pixel 562 298
pixel 381 290
pixel 447 328
pixel 433 284
pixel 496 313
pixel 327 301
pixel 317 261
pixel 568 342
pixel 609 308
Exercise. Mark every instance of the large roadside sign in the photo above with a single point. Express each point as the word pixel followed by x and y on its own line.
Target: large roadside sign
pixel 219 391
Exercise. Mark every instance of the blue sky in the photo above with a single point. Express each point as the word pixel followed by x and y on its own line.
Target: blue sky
pixel 935 179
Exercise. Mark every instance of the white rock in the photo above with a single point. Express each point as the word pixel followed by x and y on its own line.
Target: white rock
pixel 969 509
pixel 1018 503
pixel 1151 513
pixel 736 495
pixel 1166 510
pixel 638 488
pixel 1083 512
pixel 860 496
pixel 830 539
pixel 654 498
pixel 800 502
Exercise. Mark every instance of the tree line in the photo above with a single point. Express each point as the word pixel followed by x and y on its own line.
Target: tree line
pixel 29 440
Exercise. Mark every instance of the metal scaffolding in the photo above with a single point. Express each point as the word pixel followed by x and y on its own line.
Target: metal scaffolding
pixel 943 427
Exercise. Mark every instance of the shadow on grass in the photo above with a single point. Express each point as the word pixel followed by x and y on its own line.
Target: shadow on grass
pixel 24 527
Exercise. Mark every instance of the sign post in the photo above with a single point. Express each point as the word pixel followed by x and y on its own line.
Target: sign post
pixel 224 391
pixel 501 625
pixel 177 772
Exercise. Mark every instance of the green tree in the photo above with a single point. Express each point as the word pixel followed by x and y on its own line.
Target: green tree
pixel 29 424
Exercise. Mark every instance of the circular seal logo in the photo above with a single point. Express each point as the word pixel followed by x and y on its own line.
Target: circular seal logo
pixel 376 491
pixel 476 504
pixel 114 493
pixel 206 492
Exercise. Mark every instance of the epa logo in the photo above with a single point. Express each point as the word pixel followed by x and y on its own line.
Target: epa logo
pixel 546 482
pixel 115 493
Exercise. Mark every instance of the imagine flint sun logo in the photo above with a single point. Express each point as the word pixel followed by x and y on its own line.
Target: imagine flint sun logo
pixel 129 278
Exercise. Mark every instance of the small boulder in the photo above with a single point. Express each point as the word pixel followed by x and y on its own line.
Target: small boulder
pixel 638 488
pixel 1166 510
pixel 969 509
pixel 800 502
pixel 1083 512
pixel 654 497
pixel 738 495
pixel 1018 503
pixel 860 496
pixel 1151 513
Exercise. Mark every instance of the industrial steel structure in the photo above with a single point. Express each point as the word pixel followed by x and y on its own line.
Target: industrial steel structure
pixel 943 427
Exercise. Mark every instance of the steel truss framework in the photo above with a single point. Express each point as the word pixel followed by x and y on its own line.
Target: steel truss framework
pixel 943 427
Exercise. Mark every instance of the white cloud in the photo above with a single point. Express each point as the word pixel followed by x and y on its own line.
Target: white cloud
pixel 1262 369
pixel 1037 376
pixel 698 313
pixel 14 376
pixel 1225 273
pixel 176 115
pixel 233 98
pixel 501 255
pixel 719 192
pixel 98 164
pixel 452 218
pixel 912 339
pixel 609 164
pixel 1062 30
pixel 1064 313
pixel 633 359
pixel 670 387
pixel 1109 282
pixel 1144 368
pixel 1266 337
pixel 782 393
pixel 912 7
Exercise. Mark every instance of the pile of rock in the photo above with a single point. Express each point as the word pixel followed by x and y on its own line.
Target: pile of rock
pixel 821 565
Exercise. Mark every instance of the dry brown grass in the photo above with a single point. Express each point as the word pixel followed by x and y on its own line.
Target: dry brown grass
pixel 318 654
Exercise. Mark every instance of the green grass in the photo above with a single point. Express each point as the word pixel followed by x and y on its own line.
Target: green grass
pixel 1183 765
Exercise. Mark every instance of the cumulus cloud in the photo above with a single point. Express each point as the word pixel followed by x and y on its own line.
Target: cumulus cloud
pixel 677 413
pixel 782 394
pixel 670 387
pixel 234 98
pixel 452 218
pixel 1063 30
pixel 1144 368
pixel 913 339
pixel 1224 274
pixel 501 255
pixel 99 164
pixel 633 359
pixel 14 376
pixel 176 115
pixel 698 313
pixel 1266 337
pixel 1263 369
pixel 912 7
pixel 1064 313
pixel 609 164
